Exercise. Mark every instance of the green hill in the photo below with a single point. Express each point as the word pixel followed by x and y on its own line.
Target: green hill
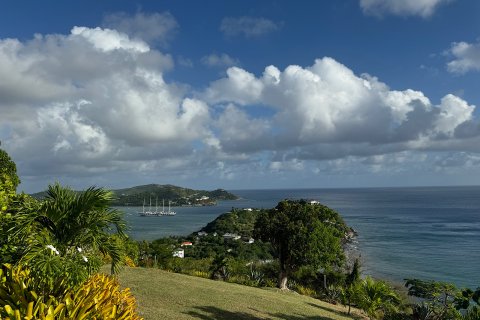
pixel 236 221
pixel 165 295
pixel 178 196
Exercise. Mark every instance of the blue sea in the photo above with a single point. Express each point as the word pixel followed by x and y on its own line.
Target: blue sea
pixel 425 232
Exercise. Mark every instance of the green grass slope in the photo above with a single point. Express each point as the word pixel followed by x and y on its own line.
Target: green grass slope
pixel 164 295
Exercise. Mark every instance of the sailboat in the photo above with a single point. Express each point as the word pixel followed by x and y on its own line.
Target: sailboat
pixel 156 207
pixel 143 213
pixel 169 213
pixel 148 213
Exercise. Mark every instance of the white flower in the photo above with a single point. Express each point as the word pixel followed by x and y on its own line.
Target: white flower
pixel 85 258
pixel 53 249
pixel 79 249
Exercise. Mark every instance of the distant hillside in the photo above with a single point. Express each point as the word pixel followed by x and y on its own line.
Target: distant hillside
pixel 178 196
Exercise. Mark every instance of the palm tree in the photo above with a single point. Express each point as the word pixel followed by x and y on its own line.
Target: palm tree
pixel 375 297
pixel 82 221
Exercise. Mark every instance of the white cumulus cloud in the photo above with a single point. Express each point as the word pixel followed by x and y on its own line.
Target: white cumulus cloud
pixel 92 101
pixel 466 57
pixel 107 40
pixel 326 111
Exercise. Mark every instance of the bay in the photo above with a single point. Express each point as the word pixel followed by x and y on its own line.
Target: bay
pixel 425 232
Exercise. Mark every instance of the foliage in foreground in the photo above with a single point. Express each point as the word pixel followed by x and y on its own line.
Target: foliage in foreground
pixel 69 220
pixel 441 300
pixel 100 297
pixel 50 250
pixel 62 239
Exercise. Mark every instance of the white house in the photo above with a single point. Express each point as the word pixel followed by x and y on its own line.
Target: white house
pixel 180 253
pixel 233 236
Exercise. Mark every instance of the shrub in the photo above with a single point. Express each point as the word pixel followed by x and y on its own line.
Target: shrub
pixel 332 294
pixel 129 262
pixel 376 298
pixel 99 297
pixel 305 291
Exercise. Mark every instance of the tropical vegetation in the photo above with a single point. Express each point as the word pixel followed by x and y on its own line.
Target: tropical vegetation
pixel 51 252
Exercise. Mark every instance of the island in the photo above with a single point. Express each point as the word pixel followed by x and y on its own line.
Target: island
pixel 166 193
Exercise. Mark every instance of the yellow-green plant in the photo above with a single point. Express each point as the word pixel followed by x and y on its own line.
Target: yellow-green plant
pixel 7 191
pixel 98 298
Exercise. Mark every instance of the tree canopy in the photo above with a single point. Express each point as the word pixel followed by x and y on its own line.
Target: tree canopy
pixel 9 168
pixel 302 233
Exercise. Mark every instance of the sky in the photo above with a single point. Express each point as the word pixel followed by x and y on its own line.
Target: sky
pixel 241 94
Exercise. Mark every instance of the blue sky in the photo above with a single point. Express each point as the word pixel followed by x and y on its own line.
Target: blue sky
pixel 241 94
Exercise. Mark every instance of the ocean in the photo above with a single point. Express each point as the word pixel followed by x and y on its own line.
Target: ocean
pixel 424 232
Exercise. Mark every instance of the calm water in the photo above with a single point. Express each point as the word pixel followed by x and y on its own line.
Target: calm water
pixel 428 233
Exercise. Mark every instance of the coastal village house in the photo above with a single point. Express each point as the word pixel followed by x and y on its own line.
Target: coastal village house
pixel 231 236
pixel 180 253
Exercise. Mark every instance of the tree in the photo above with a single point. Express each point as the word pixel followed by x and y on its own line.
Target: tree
pixel 350 283
pixel 302 233
pixel 8 181
pixel 439 299
pixel 75 221
pixel 471 303
pixel 8 167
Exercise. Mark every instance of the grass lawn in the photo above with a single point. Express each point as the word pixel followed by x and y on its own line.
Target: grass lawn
pixel 164 295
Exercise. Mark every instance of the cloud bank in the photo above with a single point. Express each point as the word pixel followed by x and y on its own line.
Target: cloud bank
pixel 95 104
